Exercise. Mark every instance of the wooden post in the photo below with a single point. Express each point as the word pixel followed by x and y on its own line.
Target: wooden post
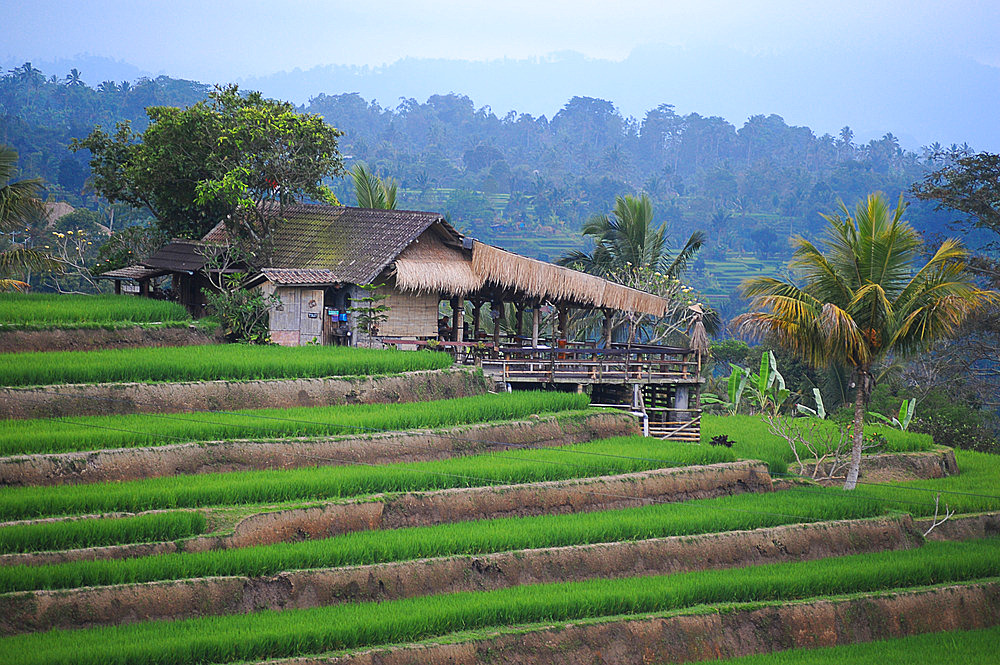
pixel 144 287
pixel 457 318
pixel 536 317
pixel 607 328
pixel 519 318
pixel 477 306
pixel 563 322
pixel 498 306
pixel 118 287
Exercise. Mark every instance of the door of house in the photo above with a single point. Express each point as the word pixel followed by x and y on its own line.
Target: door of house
pixel 311 321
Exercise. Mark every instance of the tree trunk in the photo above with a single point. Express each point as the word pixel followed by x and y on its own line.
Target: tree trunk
pixel 860 399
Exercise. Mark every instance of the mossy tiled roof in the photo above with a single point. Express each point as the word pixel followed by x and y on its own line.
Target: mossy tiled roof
pixel 353 244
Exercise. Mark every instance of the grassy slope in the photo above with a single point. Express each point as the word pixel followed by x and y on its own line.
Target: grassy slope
pixel 596 458
pixel 275 634
pixel 754 441
pixel 51 310
pixel 236 362
pixel 58 435
pixel 743 511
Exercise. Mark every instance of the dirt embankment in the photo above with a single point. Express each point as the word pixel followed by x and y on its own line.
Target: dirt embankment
pixel 889 467
pixel 452 505
pixel 963 527
pixel 78 608
pixel 16 341
pixel 220 456
pixel 695 637
pixel 121 398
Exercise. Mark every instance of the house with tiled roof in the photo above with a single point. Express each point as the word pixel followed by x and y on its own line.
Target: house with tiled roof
pixel 321 258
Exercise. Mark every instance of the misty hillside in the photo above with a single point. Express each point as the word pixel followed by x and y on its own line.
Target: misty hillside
pixel 525 182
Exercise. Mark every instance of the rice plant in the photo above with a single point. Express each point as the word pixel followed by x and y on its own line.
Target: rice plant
pixel 730 513
pixel 235 362
pixel 52 310
pixel 271 634
pixel 595 458
pixel 58 435
pixel 752 440
pixel 72 534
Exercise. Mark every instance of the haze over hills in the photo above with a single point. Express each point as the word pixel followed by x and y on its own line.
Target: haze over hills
pixel 919 95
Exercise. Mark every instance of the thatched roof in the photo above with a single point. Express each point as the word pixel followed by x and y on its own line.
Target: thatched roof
pixel 548 281
pixel 429 265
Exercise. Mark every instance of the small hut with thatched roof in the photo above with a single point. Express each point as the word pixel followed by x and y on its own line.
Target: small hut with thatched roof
pixel 432 283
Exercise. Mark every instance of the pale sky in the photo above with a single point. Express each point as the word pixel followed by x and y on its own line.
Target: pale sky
pixel 924 70
pixel 211 41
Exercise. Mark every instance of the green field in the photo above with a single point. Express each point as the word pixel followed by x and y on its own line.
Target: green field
pixel 235 362
pixel 63 535
pixel 596 458
pixel 271 634
pixel 39 311
pixel 752 440
pixel 730 513
pixel 59 435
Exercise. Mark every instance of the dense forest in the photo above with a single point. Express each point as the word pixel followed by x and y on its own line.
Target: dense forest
pixel 523 182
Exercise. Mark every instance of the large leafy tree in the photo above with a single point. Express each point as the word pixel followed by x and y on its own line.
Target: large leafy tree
pixel 968 184
pixel 864 296
pixel 195 166
pixel 18 202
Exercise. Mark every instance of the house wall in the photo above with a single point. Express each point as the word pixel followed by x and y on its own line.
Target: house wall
pixel 411 315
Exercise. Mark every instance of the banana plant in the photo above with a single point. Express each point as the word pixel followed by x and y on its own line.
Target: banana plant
pixel 905 417
pixel 819 411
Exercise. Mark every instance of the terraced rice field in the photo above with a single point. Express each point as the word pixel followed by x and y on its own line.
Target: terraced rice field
pixel 40 311
pixel 234 362
pixel 472 554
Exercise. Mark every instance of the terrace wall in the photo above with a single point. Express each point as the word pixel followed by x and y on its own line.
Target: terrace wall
pixel 90 339
pixel 122 398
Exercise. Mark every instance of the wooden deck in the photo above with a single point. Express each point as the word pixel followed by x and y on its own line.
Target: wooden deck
pixel 586 366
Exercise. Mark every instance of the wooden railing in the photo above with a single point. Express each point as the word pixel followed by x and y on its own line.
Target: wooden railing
pixel 646 364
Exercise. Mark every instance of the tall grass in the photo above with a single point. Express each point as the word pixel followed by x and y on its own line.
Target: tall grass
pixel 236 362
pixel 975 489
pixel 271 634
pixel 154 527
pixel 53 310
pixel 956 647
pixel 607 456
pixel 58 435
pixel 742 511
pixel 754 441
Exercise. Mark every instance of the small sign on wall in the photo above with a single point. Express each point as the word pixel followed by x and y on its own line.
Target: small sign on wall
pixel 313 315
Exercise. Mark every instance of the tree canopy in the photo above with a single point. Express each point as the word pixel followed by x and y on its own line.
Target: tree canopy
pixel 195 166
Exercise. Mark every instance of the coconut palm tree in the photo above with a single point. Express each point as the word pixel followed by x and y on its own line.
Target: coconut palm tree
pixel 628 240
pixel 630 249
pixel 18 202
pixel 863 298
pixel 371 190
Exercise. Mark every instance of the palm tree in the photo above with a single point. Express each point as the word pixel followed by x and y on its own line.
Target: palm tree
pixel 371 190
pixel 864 299
pixel 73 79
pixel 631 250
pixel 18 201
pixel 627 241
